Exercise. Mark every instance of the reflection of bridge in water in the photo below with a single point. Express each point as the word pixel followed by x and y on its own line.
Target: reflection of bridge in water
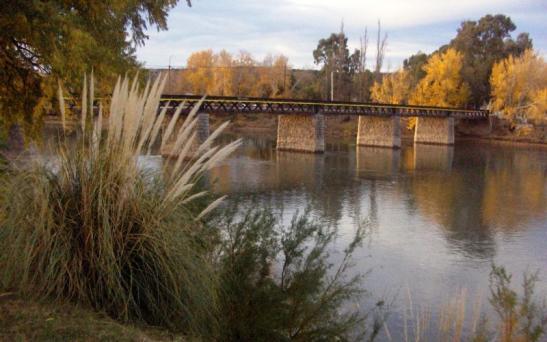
pixel 384 163
pixel 301 123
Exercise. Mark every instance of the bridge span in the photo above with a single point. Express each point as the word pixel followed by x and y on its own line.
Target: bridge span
pixel 301 123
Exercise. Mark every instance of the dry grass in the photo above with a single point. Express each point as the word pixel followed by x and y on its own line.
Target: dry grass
pixel 518 317
pixel 99 231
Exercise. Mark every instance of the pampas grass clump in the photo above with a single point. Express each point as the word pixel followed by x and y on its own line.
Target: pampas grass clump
pixel 99 231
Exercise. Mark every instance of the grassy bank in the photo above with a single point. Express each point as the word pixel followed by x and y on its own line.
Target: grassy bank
pixel 27 320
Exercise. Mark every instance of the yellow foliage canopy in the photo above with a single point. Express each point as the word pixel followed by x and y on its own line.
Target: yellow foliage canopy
pixel 395 88
pixel 519 87
pixel 442 85
pixel 240 75
pixel 200 66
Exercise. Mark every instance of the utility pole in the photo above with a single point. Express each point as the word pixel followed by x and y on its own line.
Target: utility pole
pixel 332 86
pixel 169 75
pixel 284 79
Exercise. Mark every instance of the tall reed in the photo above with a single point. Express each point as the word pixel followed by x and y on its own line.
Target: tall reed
pixel 98 230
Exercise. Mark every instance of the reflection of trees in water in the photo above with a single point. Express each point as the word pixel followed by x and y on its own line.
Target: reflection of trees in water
pixel 374 165
pixel 288 176
pixel 450 198
pixel 490 189
pixel 515 189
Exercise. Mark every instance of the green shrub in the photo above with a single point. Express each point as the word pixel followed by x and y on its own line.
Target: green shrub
pixel 278 284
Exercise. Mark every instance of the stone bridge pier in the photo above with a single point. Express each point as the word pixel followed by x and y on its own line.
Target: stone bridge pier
pixel 434 130
pixel 304 133
pixel 202 127
pixel 380 131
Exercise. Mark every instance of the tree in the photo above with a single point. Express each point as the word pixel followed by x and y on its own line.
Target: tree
pixel 380 52
pixel 338 66
pixel 245 77
pixel 200 71
pixel 414 66
pixel 274 79
pixel 42 41
pixel 395 88
pixel 362 79
pixel 442 85
pixel 223 74
pixel 519 87
pixel 482 44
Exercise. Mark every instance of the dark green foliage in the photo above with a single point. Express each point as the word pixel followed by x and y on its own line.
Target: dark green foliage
pixel 278 284
pixel 307 84
pixel 414 65
pixel 483 43
pixel 333 55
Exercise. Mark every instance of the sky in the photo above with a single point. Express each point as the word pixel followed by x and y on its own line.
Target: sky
pixel 293 27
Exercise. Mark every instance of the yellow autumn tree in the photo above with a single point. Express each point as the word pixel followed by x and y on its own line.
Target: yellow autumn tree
pixel 395 88
pixel 223 74
pixel 245 75
pixel 200 71
pixel 519 87
pixel 274 77
pixel 442 85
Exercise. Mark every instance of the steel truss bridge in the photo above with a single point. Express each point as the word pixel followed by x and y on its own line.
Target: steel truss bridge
pixel 229 105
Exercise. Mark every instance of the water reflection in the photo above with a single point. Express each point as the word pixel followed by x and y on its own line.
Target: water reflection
pixel 514 191
pixel 433 157
pixel 469 192
pixel 294 170
pixel 377 161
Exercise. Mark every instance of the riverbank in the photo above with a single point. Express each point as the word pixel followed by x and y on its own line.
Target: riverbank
pixel 25 320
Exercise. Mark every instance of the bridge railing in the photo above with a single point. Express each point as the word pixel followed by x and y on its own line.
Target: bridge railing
pixel 225 104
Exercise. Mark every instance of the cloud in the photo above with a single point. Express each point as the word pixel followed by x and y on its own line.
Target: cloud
pixel 293 27
pixel 396 13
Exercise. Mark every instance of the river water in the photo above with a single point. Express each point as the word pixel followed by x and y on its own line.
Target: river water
pixel 438 217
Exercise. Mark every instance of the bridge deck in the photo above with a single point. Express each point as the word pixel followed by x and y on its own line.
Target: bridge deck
pixel 226 104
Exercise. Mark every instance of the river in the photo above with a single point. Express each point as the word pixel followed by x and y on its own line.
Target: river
pixel 438 217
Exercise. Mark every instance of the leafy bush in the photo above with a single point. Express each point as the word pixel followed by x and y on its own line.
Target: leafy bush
pixel 278 284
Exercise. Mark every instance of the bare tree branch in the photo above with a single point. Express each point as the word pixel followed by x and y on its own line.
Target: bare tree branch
pixel 380 51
